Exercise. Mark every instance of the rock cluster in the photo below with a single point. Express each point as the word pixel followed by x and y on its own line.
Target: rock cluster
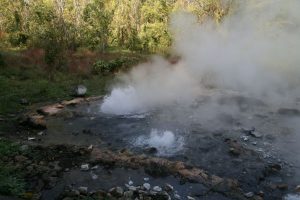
pixel 128 192
pixel 36 118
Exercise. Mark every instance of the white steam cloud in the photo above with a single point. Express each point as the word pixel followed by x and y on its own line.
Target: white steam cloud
pixel 254 50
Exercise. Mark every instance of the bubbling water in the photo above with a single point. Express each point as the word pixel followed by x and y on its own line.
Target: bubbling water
pixel 165 141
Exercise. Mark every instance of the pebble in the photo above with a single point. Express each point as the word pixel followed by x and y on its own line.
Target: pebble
pixel 90 147
pixel 177 196
pixel 83 190
pixel 40 133
pixel 147 186
pixel 85 167
pixel 132 188
pixel 157 189
pixel 245 138
pixel 249 194
pixel 168 187
pixel 255 134
pixel 94 176
pixel 31 138
pixel 190 198
pixel 95 167
pixel 146 179
pixel 117 191
pixel 297 189
pixel 130 182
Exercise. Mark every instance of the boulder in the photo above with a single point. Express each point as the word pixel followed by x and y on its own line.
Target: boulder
pixel 80 91
pixel 51 110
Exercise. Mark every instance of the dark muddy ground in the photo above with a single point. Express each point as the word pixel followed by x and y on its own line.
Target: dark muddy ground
pixel 230 136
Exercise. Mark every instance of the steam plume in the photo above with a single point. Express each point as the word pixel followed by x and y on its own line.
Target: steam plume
pixel 254 50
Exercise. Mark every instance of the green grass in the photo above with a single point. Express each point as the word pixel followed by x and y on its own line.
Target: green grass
pixel 34 85
pixel 11 179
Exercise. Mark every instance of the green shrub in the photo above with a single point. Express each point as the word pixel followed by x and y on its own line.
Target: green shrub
pixel 2 63
pixel 106 67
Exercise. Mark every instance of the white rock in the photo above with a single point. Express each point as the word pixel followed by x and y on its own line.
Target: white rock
pixel 147 186
pixel 80 90
pixel 190 198
pixel 146 179
pixel 249 194
pixel 177 196
pixel 90 147
pixel 31 138
pixel 85 167
pixel 40 133
pixel 157 189
pixel 132 188
pixel 83 190
pixel 94 176
pixel 130 182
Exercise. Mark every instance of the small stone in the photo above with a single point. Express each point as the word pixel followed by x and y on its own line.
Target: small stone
pixel 130 182
pixel 261 193
pixel 90 147
pixel 24 147
pixel 83 190
pixel 31 138
pixel 177 196
pixel 95 167
pixel 168 187
pixel 85 167
pixel 245 138
pixel 297 189
pixel 282 186
pixel 190 198
pixel 234 151
pixel 116 191
pixel 147 186
pixel 94 176
pixel 132 188
pixel 157 189
pixel 128 194
pixel 146 179
pixel 249 194
pixel 40 133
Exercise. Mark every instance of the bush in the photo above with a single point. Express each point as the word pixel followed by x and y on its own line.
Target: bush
pixel 105 67
pixel 2 63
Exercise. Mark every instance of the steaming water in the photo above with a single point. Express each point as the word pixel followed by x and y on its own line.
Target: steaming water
pixel 166 142
pixel 122 101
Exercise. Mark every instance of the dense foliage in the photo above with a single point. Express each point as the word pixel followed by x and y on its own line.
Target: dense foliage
pixel 56 25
